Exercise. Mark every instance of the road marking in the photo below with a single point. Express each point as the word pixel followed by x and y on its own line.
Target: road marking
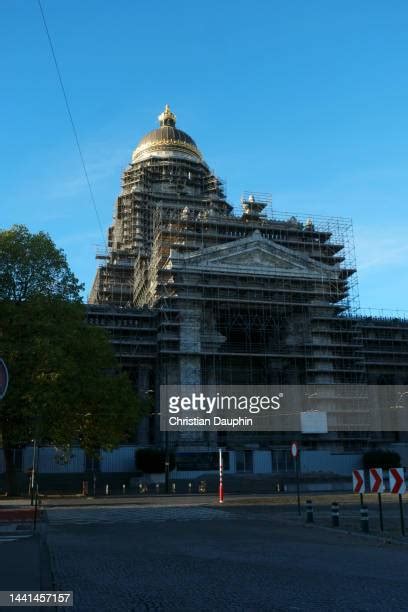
pixel 14 537
pixel 88 516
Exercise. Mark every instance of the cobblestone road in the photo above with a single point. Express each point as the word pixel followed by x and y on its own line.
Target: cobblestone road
pixel 92 516
pixel 210 559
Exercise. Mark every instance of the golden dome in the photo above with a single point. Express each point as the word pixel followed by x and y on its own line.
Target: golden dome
pixel 167 139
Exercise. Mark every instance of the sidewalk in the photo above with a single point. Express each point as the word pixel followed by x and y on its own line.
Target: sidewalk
pixel 15 513
pixel 185 499
pixel 25 564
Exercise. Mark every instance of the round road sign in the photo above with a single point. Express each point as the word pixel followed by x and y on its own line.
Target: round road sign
pixel 4 378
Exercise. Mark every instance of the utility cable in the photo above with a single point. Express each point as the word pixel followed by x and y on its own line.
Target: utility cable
pixel 71 120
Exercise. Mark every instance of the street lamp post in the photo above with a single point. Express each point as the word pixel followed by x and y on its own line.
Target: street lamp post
pixel 166 462
pixel 32 477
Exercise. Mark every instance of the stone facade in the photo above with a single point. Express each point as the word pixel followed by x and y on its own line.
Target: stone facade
pixel 193 292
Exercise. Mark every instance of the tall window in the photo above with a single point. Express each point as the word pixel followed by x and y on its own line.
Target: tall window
pixel 244 461
pixel 282 460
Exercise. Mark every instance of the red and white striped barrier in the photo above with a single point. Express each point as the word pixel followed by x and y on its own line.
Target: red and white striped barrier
pixel 221 487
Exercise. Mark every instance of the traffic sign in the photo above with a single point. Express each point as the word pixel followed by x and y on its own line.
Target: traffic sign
pixel 397 481
pixel 4 379
pixel 294 449
pixel 358 481
pixel 376 480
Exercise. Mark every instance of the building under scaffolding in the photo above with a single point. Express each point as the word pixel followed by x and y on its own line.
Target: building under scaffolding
pixel 194 292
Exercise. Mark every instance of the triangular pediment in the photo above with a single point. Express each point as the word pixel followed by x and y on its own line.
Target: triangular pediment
pixel 253 254
pixel 256 255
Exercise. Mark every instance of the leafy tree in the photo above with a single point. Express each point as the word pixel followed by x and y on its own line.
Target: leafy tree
pixel 31 265
pixel 65 383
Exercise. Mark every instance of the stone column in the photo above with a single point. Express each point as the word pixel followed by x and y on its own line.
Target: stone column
pixel 190 343
pixel 190 363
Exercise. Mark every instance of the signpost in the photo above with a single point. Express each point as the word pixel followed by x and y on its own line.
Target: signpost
pixel 398 487
pixel 4 379
pixel 397 481
pixel 294 449
pixel 376 480
pixel 377 486
pixel 359 484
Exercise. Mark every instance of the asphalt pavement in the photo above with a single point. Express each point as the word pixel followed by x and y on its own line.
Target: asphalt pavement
pixel 214 558
pixel 24 560
pixel 171 554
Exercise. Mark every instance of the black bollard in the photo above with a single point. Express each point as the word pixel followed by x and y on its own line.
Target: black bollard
pixel 309 511
pixel 364 519
pixel 335 514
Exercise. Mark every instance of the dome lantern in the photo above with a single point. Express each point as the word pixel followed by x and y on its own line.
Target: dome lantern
pixel 167 117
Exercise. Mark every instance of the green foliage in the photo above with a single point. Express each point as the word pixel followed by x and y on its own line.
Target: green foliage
pixel 31 265
pixel 153 461
pixel 64 380
pixel 381 458
pixel 65 383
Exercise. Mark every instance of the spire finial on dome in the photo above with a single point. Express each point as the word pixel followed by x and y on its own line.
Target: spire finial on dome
pixel 167 117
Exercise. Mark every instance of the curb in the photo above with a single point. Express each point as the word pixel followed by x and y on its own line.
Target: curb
pixel 16 515
pixel 365 536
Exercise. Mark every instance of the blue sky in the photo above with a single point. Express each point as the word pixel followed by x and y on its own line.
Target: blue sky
pixel 305 100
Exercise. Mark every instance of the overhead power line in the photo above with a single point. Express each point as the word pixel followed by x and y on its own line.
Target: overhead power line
pixel 72 122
